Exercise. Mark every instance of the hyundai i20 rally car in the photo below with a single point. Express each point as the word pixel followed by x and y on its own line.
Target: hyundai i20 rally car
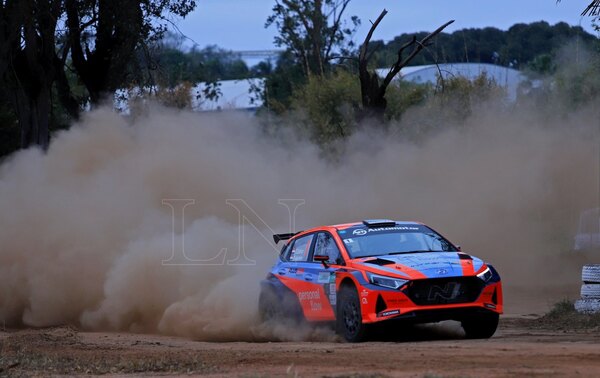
pixel 358 274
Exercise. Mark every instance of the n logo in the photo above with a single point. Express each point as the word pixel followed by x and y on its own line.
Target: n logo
pixel 448 292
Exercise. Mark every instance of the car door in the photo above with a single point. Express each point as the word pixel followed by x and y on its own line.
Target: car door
pixel 301 275
pixel 326 276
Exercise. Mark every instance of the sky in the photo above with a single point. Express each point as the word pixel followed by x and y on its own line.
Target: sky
pixel 238 25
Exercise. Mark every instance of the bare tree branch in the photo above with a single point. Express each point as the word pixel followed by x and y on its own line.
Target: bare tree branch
pixel 336 25
pixel 593 9
pixel 419 46
pixel 365 45
pixel 372 92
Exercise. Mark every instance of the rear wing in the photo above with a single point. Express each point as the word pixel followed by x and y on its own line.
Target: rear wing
pixel 279 237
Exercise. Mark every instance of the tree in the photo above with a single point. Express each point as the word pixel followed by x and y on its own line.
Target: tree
pixel 517 46
pixel 104 35
pixel 101 37
pixel 312 30
pixel 372 91
pixel 30 65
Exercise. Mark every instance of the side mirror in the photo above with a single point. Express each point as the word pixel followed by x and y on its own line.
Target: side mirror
pixel 324 259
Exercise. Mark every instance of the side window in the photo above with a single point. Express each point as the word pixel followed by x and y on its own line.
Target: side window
pixel 285 251
pixel 326 246
pixel 300 249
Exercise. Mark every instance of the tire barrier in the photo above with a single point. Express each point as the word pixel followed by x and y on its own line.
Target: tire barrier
pixel 590 290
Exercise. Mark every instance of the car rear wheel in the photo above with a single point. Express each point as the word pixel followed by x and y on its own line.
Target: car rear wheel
pixel 267 306
pixel 349 316
pixel 480 327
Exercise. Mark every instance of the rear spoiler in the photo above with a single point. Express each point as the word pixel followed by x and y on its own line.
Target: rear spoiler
pixel 279 237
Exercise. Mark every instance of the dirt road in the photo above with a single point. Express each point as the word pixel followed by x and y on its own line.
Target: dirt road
pixel 518 349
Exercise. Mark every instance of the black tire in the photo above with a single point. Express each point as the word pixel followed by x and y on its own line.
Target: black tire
pixel 349 317
pixel 480 327
pixel 268 308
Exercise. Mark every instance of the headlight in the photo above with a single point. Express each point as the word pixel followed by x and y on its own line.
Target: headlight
pixel 392 283
pixel 486 275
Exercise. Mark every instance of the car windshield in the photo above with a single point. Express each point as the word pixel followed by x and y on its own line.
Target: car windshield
pixel 363 241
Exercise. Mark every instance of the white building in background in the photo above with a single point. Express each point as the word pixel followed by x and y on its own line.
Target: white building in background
pixel 240 95
pixel 506 77
pixel 234 95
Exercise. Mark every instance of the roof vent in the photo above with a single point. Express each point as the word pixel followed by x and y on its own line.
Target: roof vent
pixel 379 223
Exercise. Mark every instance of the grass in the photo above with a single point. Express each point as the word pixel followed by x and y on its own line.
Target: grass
pixel 563 316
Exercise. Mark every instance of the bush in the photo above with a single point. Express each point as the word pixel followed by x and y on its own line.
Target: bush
pixel 563 316
pixel 328 106
pixel 403 95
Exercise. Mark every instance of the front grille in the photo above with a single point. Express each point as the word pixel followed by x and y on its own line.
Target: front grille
pixel 437 291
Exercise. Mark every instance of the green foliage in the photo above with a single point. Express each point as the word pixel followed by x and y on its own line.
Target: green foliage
pixel 106 37
pixel 434 109
pixel 312 31
pixel 178 97
pixel 328 105
pixel 542 65
pixel 209 64
pixel 517 47
pixel 563 316
pixel 327 108
pixel 579 85
pixel 280 84
pixel 404 95
pixel 574 84
pixel 459 95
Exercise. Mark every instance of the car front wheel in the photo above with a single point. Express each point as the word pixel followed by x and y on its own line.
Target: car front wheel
pixel 480 327
pixel 349 316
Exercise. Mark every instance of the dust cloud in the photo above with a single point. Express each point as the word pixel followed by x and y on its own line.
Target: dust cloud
pixel 84 233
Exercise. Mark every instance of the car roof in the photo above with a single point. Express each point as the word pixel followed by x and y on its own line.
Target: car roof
pixel 354 224
pixel 343 226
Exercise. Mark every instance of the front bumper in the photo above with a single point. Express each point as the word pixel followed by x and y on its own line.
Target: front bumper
pixel 379 304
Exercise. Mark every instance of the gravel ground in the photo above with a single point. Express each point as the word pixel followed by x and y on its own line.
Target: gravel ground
pixel 521 347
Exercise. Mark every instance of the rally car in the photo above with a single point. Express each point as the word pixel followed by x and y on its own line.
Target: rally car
pixel 358 274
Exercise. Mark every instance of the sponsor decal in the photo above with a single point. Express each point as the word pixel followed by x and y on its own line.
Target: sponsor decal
pixel 397 301
pixel 388 313
pixel 323 277
pixel 300 271
pixel 365 300
pixel 332 299
pixel 489 305
pixel 364 293
pixel 332 278
pixel 293 270
pixel 332 289
pixel 308 295
pixel 442 271
pixel 362 231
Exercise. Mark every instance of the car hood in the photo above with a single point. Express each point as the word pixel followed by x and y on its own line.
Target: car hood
pixel 422 264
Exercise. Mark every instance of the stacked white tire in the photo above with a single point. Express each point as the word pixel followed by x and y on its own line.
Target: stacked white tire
pixel 590 290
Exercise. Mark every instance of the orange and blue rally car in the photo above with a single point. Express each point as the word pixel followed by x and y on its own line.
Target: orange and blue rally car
pixel 359 274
